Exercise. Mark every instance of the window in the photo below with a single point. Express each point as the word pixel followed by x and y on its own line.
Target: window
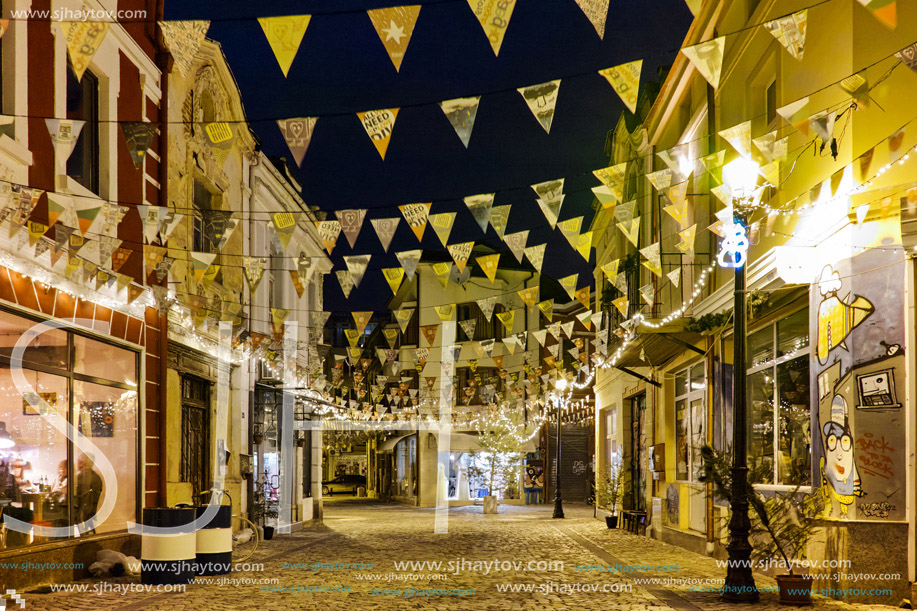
pixel 611 441
pixel 483 329
pixel 83 105
pixel 770 103
pixel 203 203
pixel 44 478
pixel 690 421
pixel 779 441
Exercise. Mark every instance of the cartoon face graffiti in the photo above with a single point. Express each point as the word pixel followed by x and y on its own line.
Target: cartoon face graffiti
pixel 840 478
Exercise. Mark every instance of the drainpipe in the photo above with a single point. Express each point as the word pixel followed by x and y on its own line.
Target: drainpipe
pixel 164 63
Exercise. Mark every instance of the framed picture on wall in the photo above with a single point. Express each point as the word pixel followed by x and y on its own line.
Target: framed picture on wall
pixel 49 397
pixel 97 419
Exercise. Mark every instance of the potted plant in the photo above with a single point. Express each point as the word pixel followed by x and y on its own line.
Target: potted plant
pixel 782 524
pixel 263 509
pixel 608 482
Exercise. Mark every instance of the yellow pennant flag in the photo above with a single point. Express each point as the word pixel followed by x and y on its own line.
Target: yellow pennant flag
pixel 625 80
pixel 445 312
pixel 460 254
pixel 442 270
pixel 613 178
pixel 529 296
pixel 653 258
pixel 489 265
pixel 631 229
pixel 687 239
pixel 547 308
pixel 200 263
pixel 442 225
pixel 507 318
pixel 394 277
pixel 278 316
pixel 284 34
pixel 378 125
pixel 584 296
pixel 611 269
pixel 394 25
pixel 494 16
pixel 328 231
pixel 352 335
pixel 361 319
pixel 621 304
pixel 584 244
pixel 416 216
pixel 83 40
pixel 569 284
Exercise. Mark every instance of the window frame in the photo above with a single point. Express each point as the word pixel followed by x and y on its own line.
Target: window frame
pixel 772 365
pixel 89 136
pixel 688 397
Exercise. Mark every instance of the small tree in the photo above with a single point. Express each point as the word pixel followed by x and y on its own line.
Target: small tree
pixel 501 439
pixel 608 482
pixel 781 524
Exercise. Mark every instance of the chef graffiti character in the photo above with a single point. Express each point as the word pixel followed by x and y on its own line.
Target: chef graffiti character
pixel 837 317
pixel 840 478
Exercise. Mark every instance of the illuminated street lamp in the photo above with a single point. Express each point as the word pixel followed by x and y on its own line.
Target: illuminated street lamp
pixel 741 176
pixel 560 400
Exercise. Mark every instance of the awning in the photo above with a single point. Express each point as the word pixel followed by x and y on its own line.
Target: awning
pixel 389 444
pixel 463 442
pixel 659 347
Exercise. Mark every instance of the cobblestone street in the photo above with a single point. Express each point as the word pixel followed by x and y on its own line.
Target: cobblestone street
pixel 380 535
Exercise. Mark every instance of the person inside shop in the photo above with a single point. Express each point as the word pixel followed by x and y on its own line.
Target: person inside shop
pixel 57 496
pixel 87 492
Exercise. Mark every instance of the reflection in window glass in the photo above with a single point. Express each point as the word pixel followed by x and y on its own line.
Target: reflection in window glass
pixel 760 389
pixel 47 350
pixel 102 360
pixel 33 456
pixel 793 333
pixel 761 347
pixel 108 417
pixel 681 440
pixel 794 459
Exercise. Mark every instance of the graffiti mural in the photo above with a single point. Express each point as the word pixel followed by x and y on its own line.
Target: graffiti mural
pixel 857 315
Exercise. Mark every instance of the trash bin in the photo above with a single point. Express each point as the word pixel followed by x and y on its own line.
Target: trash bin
pixel 214 543
pixel 169 559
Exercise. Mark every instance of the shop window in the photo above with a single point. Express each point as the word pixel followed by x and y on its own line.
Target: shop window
pixel 611 437
pixel 690 421
pixel 779 441
pixel 83 104
pixel 45 479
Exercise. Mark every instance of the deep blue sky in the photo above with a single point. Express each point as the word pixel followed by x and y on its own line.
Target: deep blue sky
pixel 342 68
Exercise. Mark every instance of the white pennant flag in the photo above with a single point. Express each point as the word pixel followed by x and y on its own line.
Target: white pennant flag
pixel 597 12
pixel 516 243
pixel 409 260
pixel 461 113
pixel 541 100
pixel 535 255
pixel 480 206
pixel 357 265
pixel 707 57
pixel 385 230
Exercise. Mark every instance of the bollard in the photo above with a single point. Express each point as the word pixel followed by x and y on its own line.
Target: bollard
pixel 214 543
pixel 169 559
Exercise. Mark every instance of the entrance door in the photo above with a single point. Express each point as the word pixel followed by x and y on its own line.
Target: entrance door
pixel 194 465
pixel 638 475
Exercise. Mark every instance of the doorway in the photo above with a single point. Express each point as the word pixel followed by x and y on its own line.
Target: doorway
pixel 638 473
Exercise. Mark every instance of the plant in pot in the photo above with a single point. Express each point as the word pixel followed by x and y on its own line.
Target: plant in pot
pixel 782 524
pixel 608 481
pixel 263 509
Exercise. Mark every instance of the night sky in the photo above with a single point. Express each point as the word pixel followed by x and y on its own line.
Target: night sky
pixel 342 67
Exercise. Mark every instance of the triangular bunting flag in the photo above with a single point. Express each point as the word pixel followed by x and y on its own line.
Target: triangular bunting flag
pixel 797 114
pixel 254 270
pixel 516 243
pixel 791 32
pixel 284 34
pixel 468 327
pixel 442 270
pixel 489 265
pixel 328 231
pixel 621 304
pixel 687 240
pixel 674 276
pixel 568 283
pixel 648 293
pixel 529 296
pixel 494 17
pixel 201 263
pixel 416 216
pixel 883 10
pixel 487 306
pixel 385 230
pixel 535 256
pixel 442 224
pixel 357 265
pixel 610 269
pixel 138 135
pixel 351 222
pixel 507 319
pixel 83 39
pixel 403 317
pixel 584 296
pixel 707 57
pixel 460 254
pixel 499 216
pixel 297 133
pixel 541 100
pixel 479 206
pixel 394 25
pixel 653 258
pixel 547 308
pixel 409 260
pixel 739 136
pixel 183 39
pixel 624 79
pixel 345 279
pixel 461 113
pixel 394 277
pixel 445 312
pixel 631 230
pixel 379 125
pixel 429 333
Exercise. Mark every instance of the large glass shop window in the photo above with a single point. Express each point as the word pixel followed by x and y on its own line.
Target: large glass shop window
pixel 44 478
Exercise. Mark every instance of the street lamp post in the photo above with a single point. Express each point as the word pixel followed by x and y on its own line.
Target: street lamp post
pixel 560 386
pixel 741 176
